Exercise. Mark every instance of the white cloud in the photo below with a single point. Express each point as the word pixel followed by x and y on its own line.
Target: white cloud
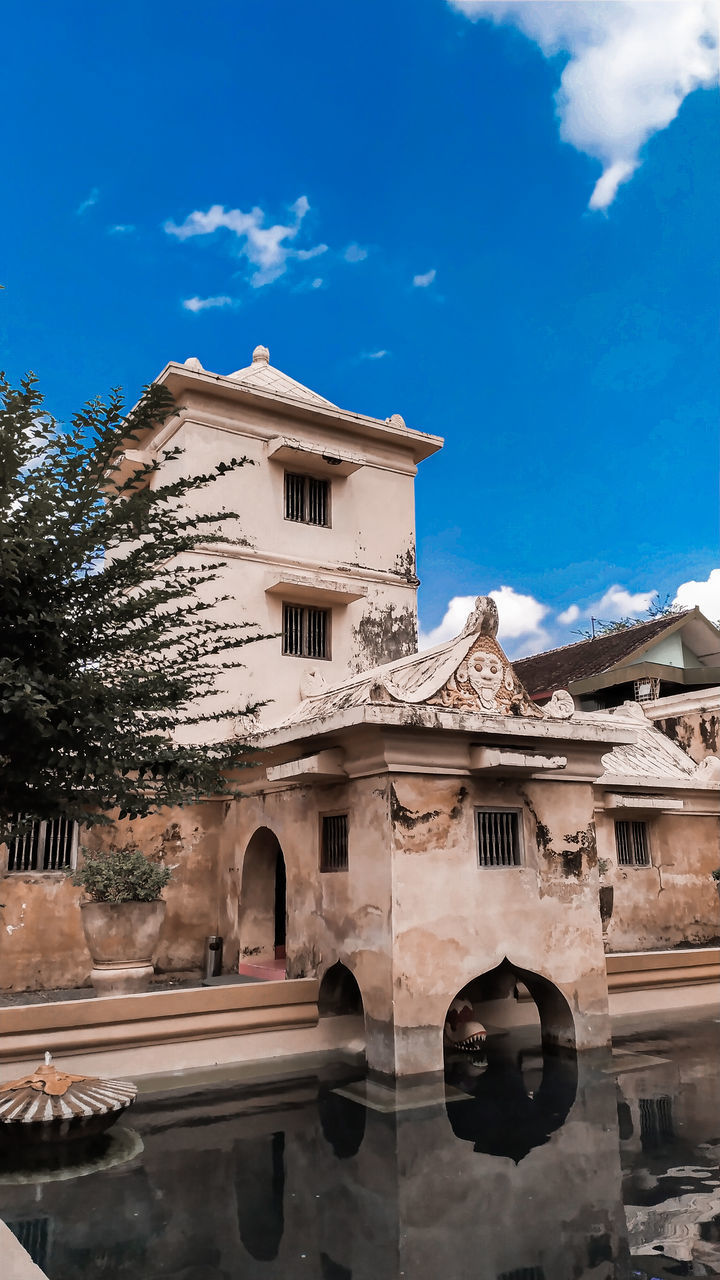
pixel 706 595
pixel 88 202
pixel 206 304
pixel 422 282
pixel 375 355
pixel 632 63
pixel 355 253
pixel 317 283
pixel 121 229
pixel 619 603
pixel 267 249
pixel 520 616
pixel 571 614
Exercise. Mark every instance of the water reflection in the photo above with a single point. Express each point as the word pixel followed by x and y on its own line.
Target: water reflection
pixel 522 1180
pixel 516 1099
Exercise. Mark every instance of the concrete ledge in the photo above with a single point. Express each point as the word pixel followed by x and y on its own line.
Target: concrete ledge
pixel 155 1019
pixel 16 1261
pixel 629 970
pixel 656 981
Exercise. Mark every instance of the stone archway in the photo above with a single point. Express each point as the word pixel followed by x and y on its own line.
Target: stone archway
pixel 495 994
pixel 262 912
pixel 519 1088
pixel 339 993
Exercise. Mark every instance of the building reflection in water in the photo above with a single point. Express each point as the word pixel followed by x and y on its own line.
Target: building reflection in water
pixel 520 1180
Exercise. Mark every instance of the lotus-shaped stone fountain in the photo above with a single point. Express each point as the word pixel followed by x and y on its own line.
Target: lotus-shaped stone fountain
pixel 50 1106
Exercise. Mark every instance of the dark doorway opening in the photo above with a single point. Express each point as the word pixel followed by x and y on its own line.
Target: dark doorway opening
pixel 280 905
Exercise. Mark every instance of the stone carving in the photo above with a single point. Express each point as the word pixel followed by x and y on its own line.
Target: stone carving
pixel 708 769
pixel 560 706
pixel 632 710
pixel 312 683
pixel 462 1030
pixel 396 420
pixel 484 619
pixel 193 363
pixel 48 1105
pixel 485 682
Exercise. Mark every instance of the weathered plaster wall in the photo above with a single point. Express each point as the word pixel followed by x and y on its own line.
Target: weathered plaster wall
pixel 368 548
pixel 454 920
pixel 671 902
pixel 333 915
pixel 41 939
pixel 696 728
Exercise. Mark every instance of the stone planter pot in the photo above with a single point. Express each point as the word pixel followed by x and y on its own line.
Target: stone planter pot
pixel 122 938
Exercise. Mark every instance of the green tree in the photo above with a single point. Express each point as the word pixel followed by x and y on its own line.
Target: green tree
pixel 108 638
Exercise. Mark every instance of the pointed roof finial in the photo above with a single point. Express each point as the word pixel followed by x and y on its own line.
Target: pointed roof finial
pixel 261 355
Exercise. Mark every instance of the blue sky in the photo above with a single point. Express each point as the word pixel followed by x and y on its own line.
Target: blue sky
pixel 429 171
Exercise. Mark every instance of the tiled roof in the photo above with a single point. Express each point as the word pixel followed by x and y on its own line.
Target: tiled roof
pixel 558 668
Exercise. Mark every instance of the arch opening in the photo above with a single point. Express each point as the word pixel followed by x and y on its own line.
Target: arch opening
pixel 339 993
pixel 509 1043
pixel 262 914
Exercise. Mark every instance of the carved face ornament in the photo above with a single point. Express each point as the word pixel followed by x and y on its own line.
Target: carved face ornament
pixel 485 675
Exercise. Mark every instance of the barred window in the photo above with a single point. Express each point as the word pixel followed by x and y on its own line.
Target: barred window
pixel 306 631
pixel 307 499
pixel 44 846
pixel 334 843
pixel 499 838
pixel 631 840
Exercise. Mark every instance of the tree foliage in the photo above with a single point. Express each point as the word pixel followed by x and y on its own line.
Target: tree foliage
pixel 109 641
pixel 607 627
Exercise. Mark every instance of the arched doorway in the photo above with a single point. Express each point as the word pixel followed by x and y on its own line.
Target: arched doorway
pixel 262 915
pixel 509 996
pixel 518 1088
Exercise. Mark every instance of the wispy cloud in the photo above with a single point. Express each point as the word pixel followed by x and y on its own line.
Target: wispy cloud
pixel 121 229
pixel 207 304
pixel 569 615
pixel 317 283
pixel 632 63
pixel 88 202
pixel 375 355
pixel 266 248
pixel 619 603
pixel 355 253
pixel 422 282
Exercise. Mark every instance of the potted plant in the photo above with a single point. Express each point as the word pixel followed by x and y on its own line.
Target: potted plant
pixel 122 917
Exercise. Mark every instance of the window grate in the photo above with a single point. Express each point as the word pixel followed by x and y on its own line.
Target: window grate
pixel 45 846
pixel 632 844
pixel 307 499
pixel 306 631
pixel 647 690
pixel 293 629
pixel 498 838
pixel 334 845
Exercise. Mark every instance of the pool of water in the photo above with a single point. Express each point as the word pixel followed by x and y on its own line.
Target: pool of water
pixel 522 1168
